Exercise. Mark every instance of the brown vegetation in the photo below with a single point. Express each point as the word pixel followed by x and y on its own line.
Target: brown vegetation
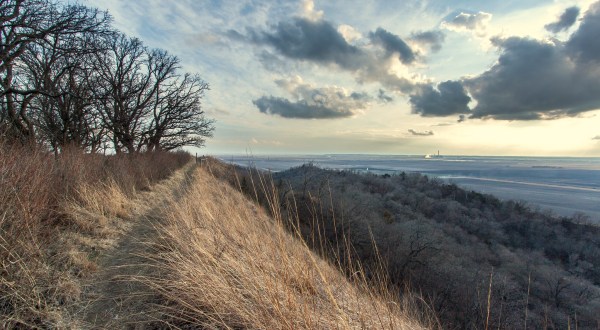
pixel 477 261
pixel 56 214
pixel 74 235
pixel 232 266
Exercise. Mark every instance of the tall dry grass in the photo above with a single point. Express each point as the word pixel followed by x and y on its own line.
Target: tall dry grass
pixel 43 225
pixel 231 265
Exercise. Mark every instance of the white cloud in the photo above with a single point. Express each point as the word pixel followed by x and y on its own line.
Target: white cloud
pixel 476 23
pixel 349 33
pixel 308 10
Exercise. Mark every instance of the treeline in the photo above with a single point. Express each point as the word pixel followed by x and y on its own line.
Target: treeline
pixel 477 261
pixel 67 78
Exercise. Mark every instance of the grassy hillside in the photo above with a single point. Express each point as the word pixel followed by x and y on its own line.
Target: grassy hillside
pixel 90 241
pixel 57 215
pixel 152 241
pixel 477 261
pixel 230 264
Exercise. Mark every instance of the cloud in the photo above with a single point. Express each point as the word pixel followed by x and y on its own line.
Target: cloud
pixel 266 142
pixel 349 33
pixel 583 44
pixel 531 80
pixel 418 133
pixel 383 97
pixel 539 80
pixel 317 41
pixel 217 112
pixel 449 98
pixel 311 102
pixel 393 44
pixel 300 109
pixel 273 63
pixel 431 39
pixel 597 137
pixel 308 10
pixel 476 22
pixel 565 21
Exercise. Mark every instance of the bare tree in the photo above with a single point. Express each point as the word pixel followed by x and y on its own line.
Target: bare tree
pixel 66 78
pixel 145 103
pixel 64 110
pixel 125 89
pixel 24 23
pixel 177 118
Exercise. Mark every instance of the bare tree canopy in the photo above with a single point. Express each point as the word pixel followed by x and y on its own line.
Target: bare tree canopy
pixel 25 25
pixel 67 78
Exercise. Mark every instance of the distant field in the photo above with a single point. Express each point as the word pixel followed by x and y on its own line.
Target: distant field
pixel 563 185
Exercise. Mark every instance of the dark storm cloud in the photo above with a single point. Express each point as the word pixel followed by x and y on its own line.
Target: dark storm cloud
pixel 393 44
pixel 311 102
pixel 431 39
pixel 584 44
pixel 450 98
pixel 532 79
pixel 316 41
pixel 300 109
pixel 538 80
pixel 417 133
pixel 565 21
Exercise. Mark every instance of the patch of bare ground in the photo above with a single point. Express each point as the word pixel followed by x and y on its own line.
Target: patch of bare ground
pixel 113 296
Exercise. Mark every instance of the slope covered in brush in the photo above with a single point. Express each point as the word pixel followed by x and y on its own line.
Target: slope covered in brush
pixel 449 244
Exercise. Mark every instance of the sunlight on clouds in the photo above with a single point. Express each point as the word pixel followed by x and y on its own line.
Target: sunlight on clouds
pixel 349 33
pixel 266 142
pixel 475 23
pixel 374 62
pixel 308 10
pixel 569 136
pixel 531 22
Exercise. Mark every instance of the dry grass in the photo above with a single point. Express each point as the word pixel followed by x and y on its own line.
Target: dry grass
pixel 56 213
pixel 223 261
pixel 230 265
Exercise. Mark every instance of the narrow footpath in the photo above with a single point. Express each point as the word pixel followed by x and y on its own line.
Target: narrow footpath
pixel 115 297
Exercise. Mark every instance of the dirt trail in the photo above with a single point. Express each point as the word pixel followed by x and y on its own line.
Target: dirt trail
pixel 115 298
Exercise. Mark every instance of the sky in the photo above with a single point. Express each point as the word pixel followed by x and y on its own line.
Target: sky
pixel 497 77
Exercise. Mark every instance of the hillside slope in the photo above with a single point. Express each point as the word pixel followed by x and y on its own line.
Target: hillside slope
pixel 477 260
pixel 188 251
pixel 228 264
